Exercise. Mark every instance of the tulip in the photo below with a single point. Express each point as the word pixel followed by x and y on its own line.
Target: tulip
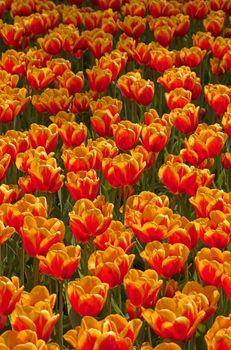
pixel 220 46
pixel 142 287
pixel 26 339
pixel 99 79
pixel 41 135
pixel 155 135
pixel 178 98
pixel 226 122
pixel 24 159
pixel 87 295
pixel 62 117
pixel 10 294
pixel 185 119
pixel 192 56
pixel 226 160
pixel 123 170
pixel 214 22
pixel 210 292
pixel 52 100
pixel 107 103
pixel 14 62
pixel 175 318
pixel 101 45
pixel 9 193
pixel 38 318
pixel 110 265
pixel 60 261
pixel 84 184
pixel 209 265
pixel 196 9
pixel 218 97
pixel 39 78
pixel 105 148
pixel 102 121
pixel 51 43
pixel 218 336
pixel 79 158
pixel 166 259
pixel 126 44
pixel 133 26
pixel 90 218
pixel 72 82
pixel 112 332
pixel 72 134
pixel 45 175
pixel 126 134
pixel 39 234
pixel 36 295
pixel 202 40
pixel 116 235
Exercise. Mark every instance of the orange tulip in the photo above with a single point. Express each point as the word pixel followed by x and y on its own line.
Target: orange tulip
pixel 175 318
pixel 99 79
pixel 73 134
pixel 90 218
pixel 102 121
pixel 218 336
pixel 71 81
pixel 214 22
pixel 38 318
pixel 178 98
pixel 209 265
pixel 99 46
pixel 126 134
pixel 26 339
pixel 196 9
pixel 106 103
pixel 84 184
pixel 19 139
pixel 5 232
pixel 105 148
pixel 133 26
pixel 226 160
pixel 87 295
pixel 36 295
pixel 62 117
pixel 185 119
pixel 142 287
pixel 202 40
pixel 45 175
pixel 79 158
pixel 4 166
pixel 206 142
pixel 123 170
pixel 210 292
pixel 14 35
pixel 206 200
pixel 60 261
pixel 110 265
pixel 171 288
pixel 13 102
pixel 41 135
pixel 116 235
pixel 115 62
pixel 9 193
pixel 24 159
pixel 155 135
pixel 218 97
pixel 39 78
pixel 226 122
pixel 39 234
pixel 59 66
pixel 52 100
pixel 220 46
pixel 126 44
pixel 14 62
pixel 181 77
pixel 112 332
pixel 192 56
pixel 181 24
pixel 51 43
pixel 216 229
pixel 134 8
pixel 164 35
pixel 166 259
pixel 10 294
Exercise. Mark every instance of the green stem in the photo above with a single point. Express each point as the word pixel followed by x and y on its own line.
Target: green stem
pixel 36 272
pixel 60 322
pixel 21 264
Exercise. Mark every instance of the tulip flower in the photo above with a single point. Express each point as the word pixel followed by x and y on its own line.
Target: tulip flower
pixel 226 122
pixel 60 261
pixel 90 218
pixel 38 318
pixel 79 158
pixel 110 265
pixel 126 134
pixel 218 97
pixel 185 119
pixel 46 137
pixel 133 26
pixel 105 148
pixel 87 295
pixel 10 294
pixel 166 259
pixel 72 134
pixel 175 318
pixel 116 235
pixel 26 339
pixel 123 170
pixel 219 334
pixel 196 9
pixel 39 78
pixel 162 346
pixel 112 332
pixel 142 287
pixel 99 79
pixel 72 82
pixel 178 98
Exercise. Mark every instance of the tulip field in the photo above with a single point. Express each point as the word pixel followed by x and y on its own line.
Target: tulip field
pixel 115 175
